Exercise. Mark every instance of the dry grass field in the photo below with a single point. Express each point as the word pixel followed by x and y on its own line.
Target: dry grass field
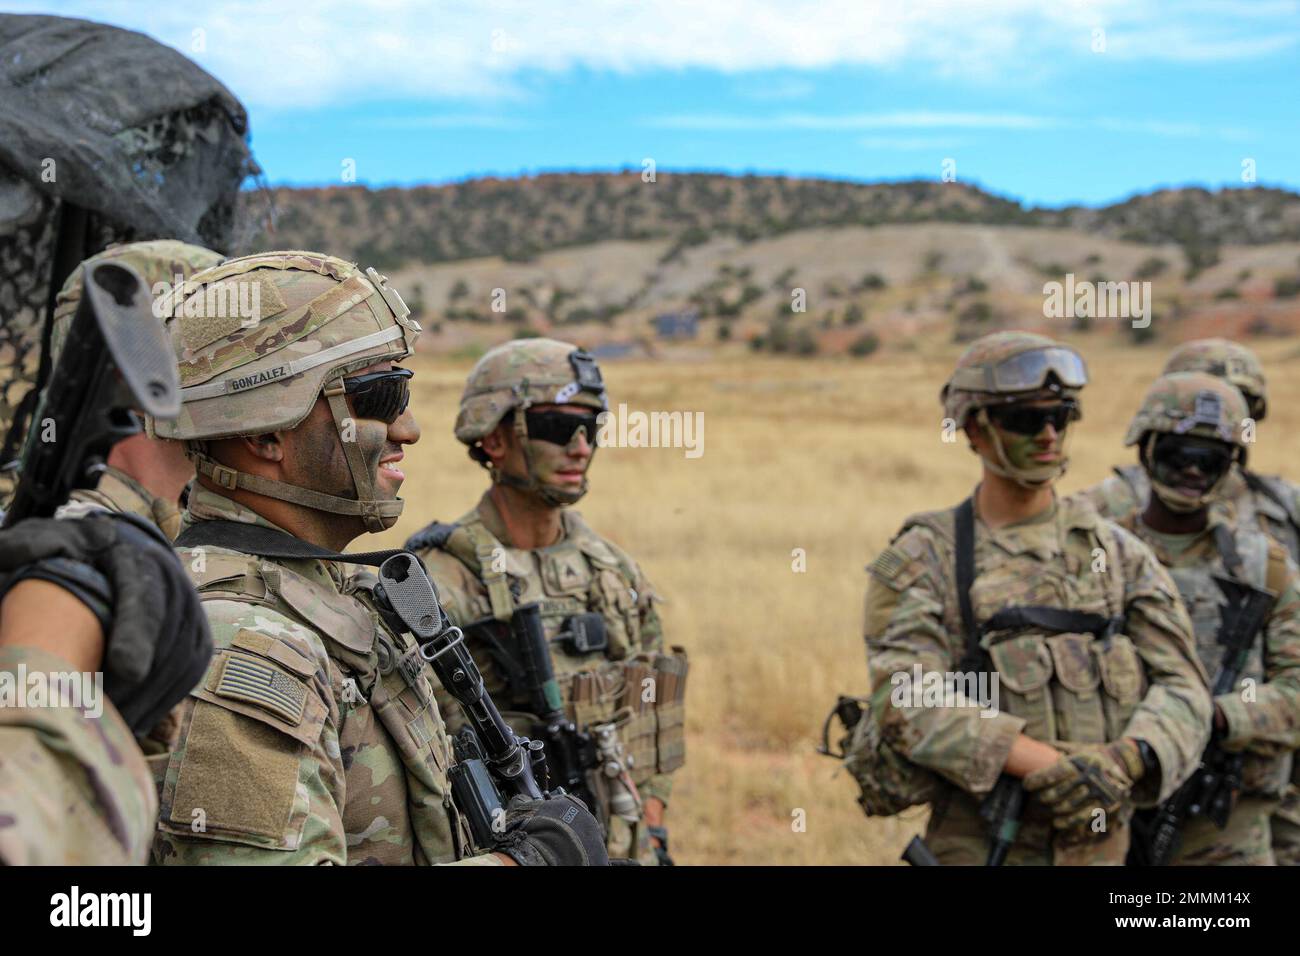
pixel 827 456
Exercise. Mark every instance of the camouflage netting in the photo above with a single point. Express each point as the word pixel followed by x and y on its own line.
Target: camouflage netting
pixel 105 136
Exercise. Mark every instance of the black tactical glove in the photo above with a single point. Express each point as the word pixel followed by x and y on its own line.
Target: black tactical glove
pixel 157 643
pixel 556 831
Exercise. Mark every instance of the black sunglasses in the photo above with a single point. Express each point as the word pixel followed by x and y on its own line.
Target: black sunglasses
pixel 1177 454
pixel 1028 420
pixel 558 427
pixel 382 396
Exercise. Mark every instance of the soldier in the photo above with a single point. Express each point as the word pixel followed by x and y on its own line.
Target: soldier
pixel 529 415
pixel 1189 435
pixel 1099 701
pixel 1270 500
pixel 315 736
pixel 145 476
pixel 81 596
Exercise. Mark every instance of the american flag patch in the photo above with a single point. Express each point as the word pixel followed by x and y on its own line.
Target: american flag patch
pixel 888 564
pixel 263 684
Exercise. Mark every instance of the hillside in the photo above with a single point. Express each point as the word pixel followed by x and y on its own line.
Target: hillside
pixel 520 218
pixel 704 262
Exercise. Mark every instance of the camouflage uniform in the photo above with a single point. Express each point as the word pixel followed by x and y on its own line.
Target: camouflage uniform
pixel 315 736
pixel 80 782
pixel 1269 500
pixel 1262 712
pixel 481 574
pixel 1067 689
pixel 74 789
pixel 118 491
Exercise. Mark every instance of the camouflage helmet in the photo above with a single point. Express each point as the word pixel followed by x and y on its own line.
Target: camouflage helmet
pixel 1007 367
pixel 162 263
pixel 515 376
pixel 259 338
pixel 1228 360
pixel 1191 403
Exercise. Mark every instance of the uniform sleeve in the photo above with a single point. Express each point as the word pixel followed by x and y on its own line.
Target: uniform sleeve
pixel 1267 717
pixel 257 776
pixel 74 786
pixel 660 786
pixel 905 633
pixel 1112 497
pixel 1174 716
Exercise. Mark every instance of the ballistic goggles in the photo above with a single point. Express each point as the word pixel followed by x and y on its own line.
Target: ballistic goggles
pixel 1024 372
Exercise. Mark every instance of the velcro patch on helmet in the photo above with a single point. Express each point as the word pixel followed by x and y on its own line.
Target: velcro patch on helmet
pixel 200 331
pixel 270 301
pixel 217 310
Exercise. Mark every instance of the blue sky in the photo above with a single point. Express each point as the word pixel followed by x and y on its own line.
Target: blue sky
pixel 1053 102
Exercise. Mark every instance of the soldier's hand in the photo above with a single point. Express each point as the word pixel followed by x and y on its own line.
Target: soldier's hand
pixel 126 573
pixel 1088 780
pixel 557 831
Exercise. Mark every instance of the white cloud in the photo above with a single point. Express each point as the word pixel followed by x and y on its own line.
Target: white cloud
pixel 356 50
pixel 482 121
pixel 915 119
pixel 902 143
pixel 923 119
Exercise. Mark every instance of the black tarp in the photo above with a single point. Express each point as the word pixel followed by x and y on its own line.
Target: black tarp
pixel 105 136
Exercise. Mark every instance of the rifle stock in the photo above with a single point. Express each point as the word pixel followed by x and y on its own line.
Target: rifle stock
pixel 116 361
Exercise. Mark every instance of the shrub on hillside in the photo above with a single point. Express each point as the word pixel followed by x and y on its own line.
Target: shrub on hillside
pixel 864 344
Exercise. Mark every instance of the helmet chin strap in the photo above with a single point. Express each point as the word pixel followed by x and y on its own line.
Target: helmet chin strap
pixel 377 514
pixel 1172 498
pixel 1030 478
pixel 555 497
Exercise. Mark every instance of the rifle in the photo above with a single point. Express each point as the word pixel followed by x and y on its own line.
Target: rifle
pixel 1212 789
pixel 1000 810
pixel 116 361
pixel 521 649
pixel 494 764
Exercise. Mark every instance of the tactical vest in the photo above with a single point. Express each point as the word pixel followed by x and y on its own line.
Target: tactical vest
pixel 582 574
pixel 388 719
pixel 1067 671
pixel 1245 555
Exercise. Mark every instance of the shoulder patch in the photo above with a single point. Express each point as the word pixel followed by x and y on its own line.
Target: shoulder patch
pixel 258 681
pixel 889 563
